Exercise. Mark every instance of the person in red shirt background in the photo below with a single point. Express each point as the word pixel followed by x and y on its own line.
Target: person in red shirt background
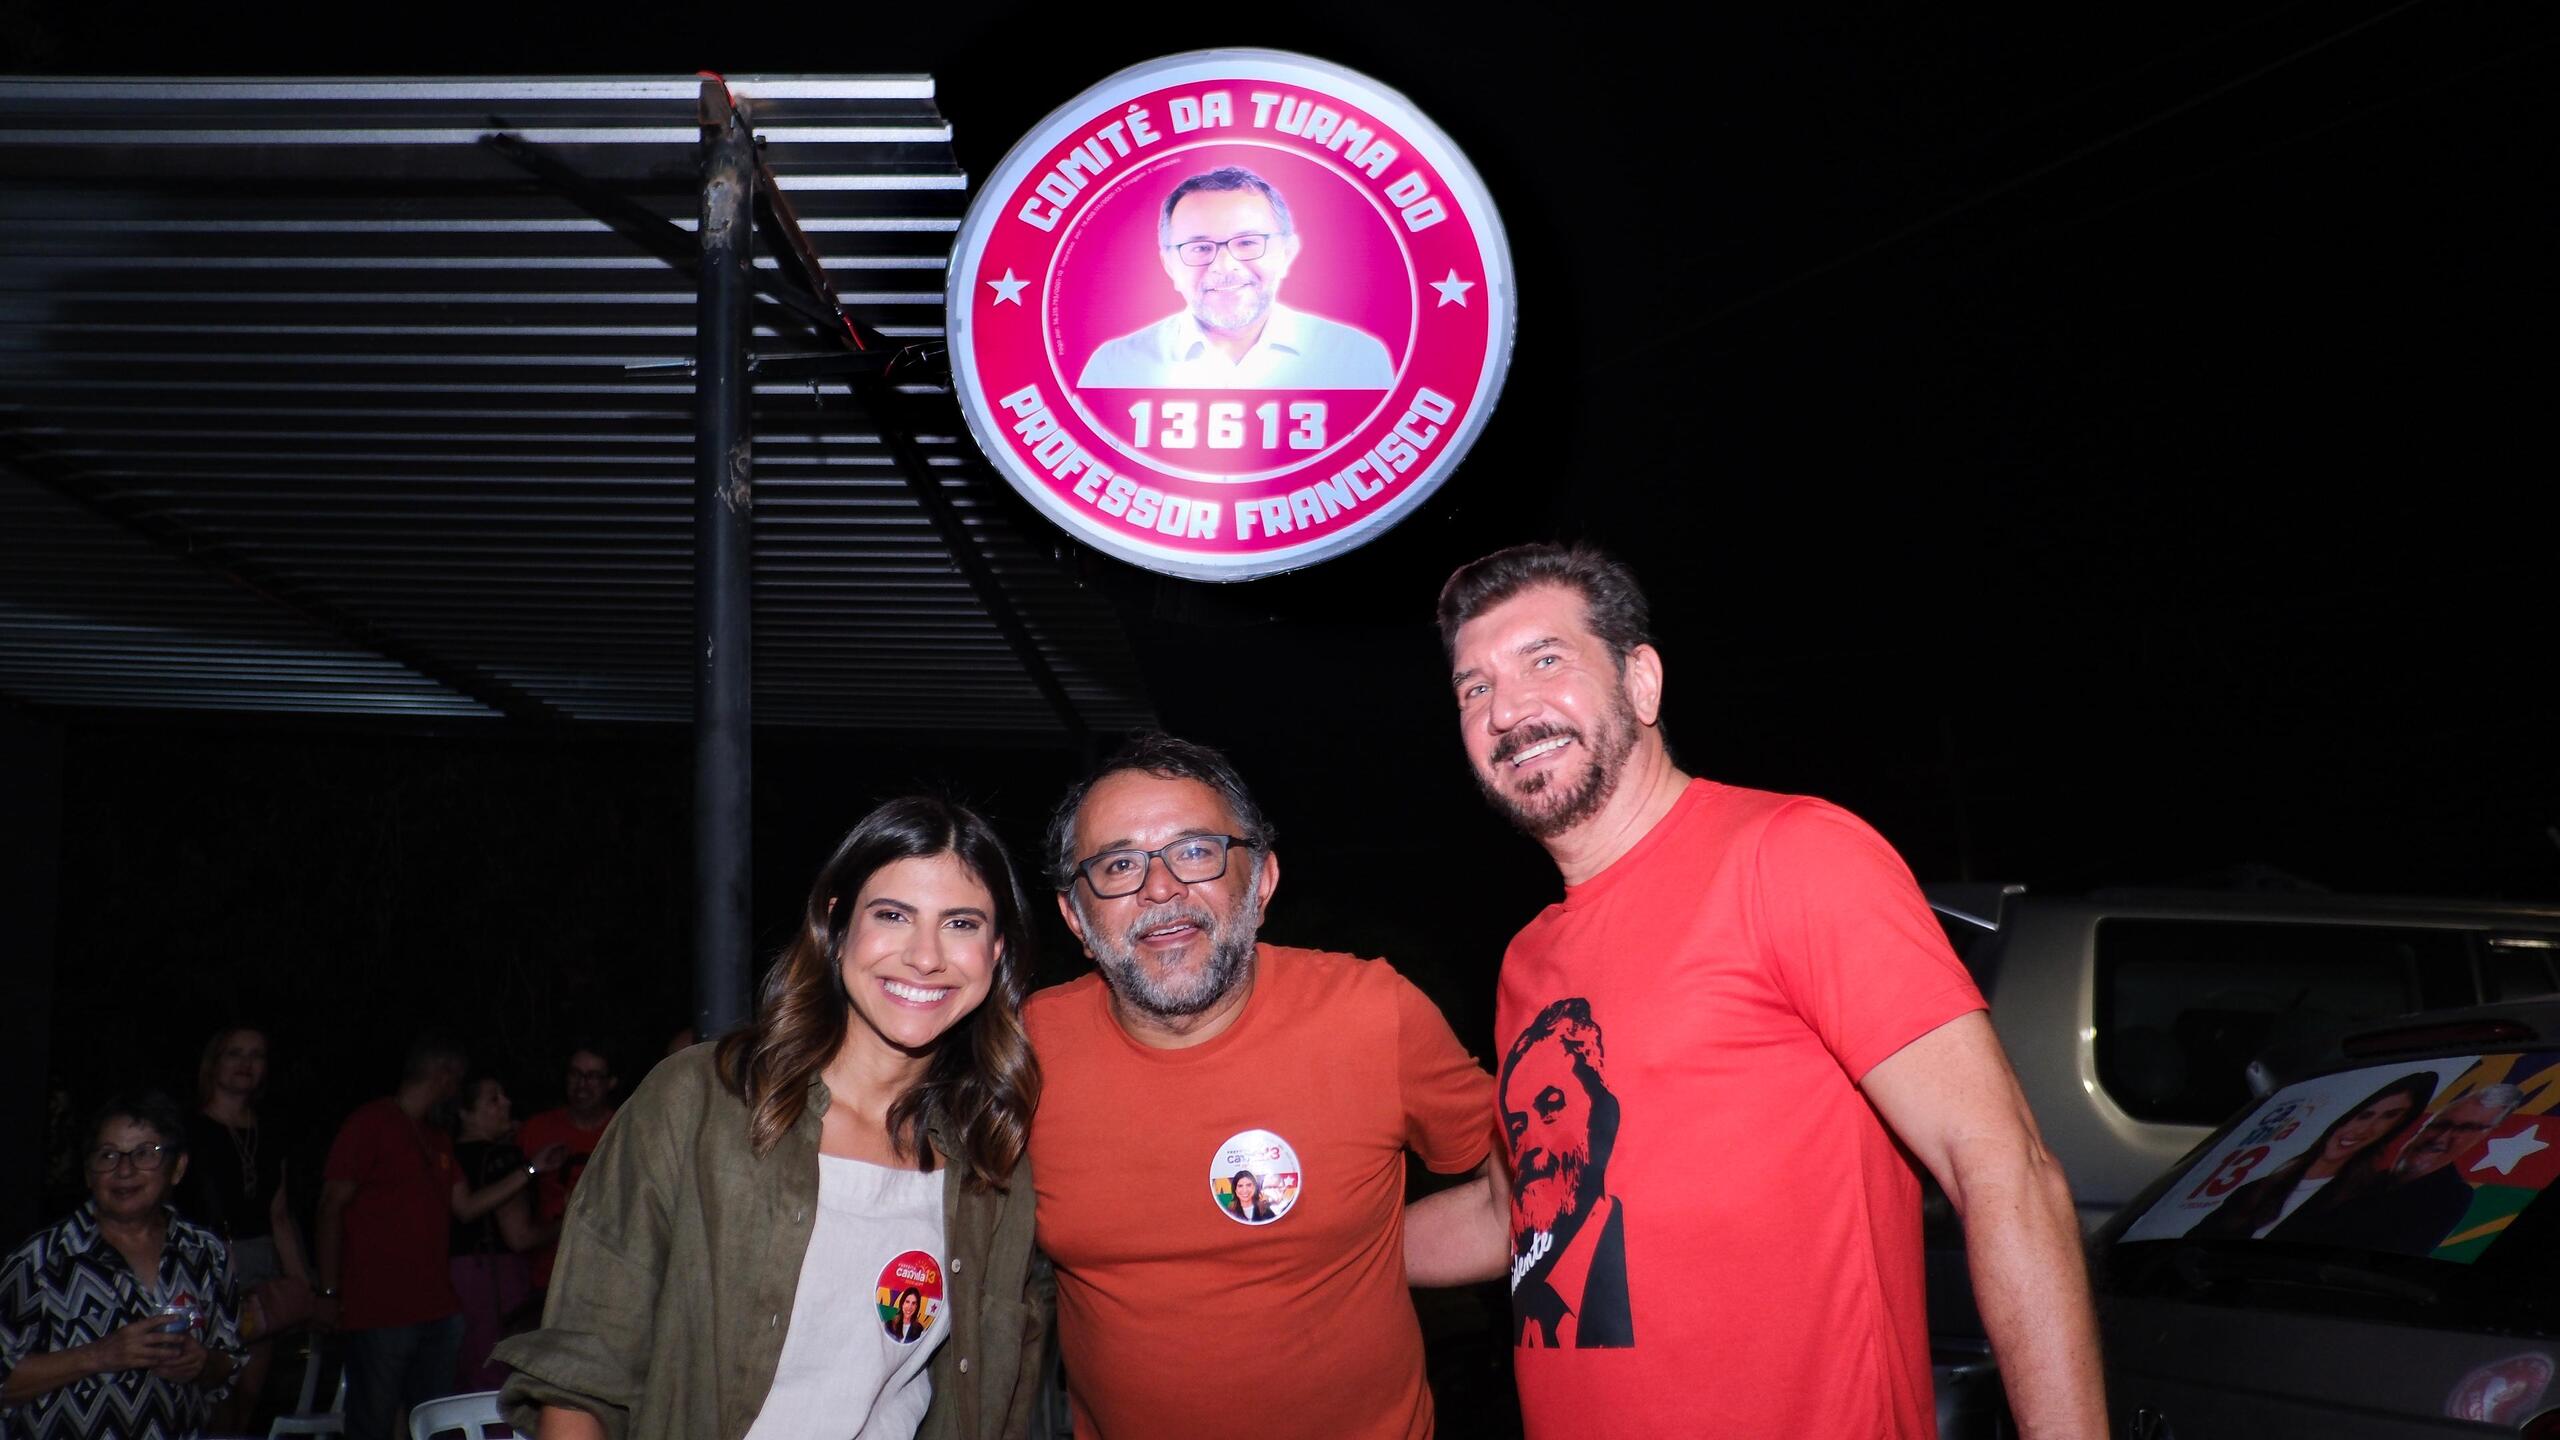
pixel 388 1196
pixel 576 1127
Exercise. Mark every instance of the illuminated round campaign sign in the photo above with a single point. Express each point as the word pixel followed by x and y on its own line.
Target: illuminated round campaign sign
pixel 1230 313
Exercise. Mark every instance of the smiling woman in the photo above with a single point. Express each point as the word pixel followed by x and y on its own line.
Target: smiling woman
pixel 876 1106
pixel 121 1319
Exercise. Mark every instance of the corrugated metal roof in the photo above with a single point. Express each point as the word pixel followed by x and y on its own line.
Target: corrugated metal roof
pixel 312 391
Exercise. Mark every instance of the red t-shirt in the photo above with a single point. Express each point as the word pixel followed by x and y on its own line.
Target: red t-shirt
pixel 551 1191
pixel 1192 1304
pixel 392 1256
pixel 1742 1255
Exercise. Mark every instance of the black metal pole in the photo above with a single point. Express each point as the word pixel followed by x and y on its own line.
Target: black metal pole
pixel 723 569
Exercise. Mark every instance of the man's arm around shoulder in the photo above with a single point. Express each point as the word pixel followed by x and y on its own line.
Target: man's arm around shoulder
pixel 1462 1235
pixel 1951 1098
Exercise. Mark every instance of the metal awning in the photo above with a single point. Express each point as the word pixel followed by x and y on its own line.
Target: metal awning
pixel 363 396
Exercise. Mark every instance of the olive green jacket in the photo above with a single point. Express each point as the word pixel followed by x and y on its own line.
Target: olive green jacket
pixel 680 1256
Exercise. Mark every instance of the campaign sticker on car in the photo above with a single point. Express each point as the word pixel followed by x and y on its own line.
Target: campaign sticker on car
pixel 2432 1158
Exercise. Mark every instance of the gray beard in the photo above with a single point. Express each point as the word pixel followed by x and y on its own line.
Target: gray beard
pixel 1244 320
pixel 1552 1201
pixel 1179 997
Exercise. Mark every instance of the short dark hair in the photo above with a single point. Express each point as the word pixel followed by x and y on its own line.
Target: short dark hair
pixel 1225 177
pixel 1614 603
pixel 1166 758
pixel 1568 1022
pixel 427 1052
pixel 151 1109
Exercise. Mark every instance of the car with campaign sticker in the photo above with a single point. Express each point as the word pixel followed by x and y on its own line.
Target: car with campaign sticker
pixel 2367 1251
pixel 2137 1018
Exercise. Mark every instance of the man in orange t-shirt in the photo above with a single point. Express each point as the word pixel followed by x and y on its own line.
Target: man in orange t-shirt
pixel 1219 1150
pixel 576 1126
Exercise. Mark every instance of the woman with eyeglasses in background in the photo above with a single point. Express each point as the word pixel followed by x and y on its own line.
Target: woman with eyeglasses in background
pixel 164 1347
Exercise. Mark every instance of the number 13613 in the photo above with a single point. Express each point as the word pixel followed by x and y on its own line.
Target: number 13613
pixel 1177 425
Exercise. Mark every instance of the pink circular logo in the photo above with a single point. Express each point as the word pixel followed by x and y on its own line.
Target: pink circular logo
pixel 1230 313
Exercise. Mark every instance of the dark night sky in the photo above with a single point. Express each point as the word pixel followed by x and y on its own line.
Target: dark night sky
pixel 2096 447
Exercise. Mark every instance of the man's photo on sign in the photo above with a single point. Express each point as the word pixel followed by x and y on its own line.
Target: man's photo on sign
pixel 1226 240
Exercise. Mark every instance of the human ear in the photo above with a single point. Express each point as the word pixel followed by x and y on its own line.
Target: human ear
pixel 1644 683
pixel 1075 922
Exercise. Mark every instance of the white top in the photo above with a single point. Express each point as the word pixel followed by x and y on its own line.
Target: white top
pixel 2302 1190
pixel 842 1371
pixel 1297 351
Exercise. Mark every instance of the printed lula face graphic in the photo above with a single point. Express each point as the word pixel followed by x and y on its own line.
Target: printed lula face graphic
pixel 1568 1232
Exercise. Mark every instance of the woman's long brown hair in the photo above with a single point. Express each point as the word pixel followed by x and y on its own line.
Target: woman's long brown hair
pixel 982 1082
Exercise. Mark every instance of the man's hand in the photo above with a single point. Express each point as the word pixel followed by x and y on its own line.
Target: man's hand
pixel 551 1157
pixel 187 1364
pixel 1951 1098
pixel 142 1345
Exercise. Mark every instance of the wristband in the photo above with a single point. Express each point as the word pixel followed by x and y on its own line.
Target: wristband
pixel 327 1292
pixel 530 1170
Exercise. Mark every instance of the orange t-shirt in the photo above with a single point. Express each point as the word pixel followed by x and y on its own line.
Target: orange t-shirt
pixel 551 1195
pixel 1181 1310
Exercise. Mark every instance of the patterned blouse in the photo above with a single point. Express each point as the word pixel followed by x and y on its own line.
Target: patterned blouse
pixel 68 1286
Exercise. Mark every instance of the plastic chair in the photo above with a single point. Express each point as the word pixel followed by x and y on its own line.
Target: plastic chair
pixel 471 1416
pixel 305 1418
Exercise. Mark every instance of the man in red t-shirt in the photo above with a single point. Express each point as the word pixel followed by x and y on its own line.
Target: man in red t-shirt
pixel 576 1127
pixel 385 1209
pixel 1720 1044
pixel 1219 1150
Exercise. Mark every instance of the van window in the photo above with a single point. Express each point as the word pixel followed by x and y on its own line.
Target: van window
pixel 2520 967
pixel 2183 1006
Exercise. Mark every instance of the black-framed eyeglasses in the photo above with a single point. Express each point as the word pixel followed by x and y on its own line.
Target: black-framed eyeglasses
pixel 1193 860
pixel 106 1158
pixel 1196 253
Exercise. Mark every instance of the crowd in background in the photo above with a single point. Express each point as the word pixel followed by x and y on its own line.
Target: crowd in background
pixel 405 1242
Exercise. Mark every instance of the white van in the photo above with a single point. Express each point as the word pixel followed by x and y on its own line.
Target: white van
pixel 2139 1020
pixel 2134 1016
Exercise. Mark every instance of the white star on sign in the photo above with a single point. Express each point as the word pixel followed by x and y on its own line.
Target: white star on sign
pixel 1453 291
pixel 1008 290
pixel 2506 1153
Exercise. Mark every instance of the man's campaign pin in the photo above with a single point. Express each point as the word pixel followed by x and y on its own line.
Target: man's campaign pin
pixel 1230 313
pixel 1254 1177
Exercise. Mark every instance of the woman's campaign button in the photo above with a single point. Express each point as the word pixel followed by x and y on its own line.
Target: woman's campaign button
pixel 1254 1177
pixel 910 1296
